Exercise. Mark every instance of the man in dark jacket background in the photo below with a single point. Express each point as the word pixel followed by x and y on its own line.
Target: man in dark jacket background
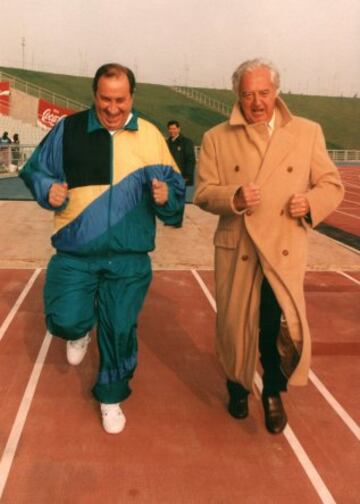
pixel 182 150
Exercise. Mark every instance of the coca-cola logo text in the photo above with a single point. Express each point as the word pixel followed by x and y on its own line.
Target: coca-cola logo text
pixel 50 117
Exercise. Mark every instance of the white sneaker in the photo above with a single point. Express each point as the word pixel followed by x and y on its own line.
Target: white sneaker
pixel 76 350
pixel 113 419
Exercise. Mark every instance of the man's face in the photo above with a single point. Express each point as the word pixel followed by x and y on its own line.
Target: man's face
pixel 173 130
pixel 113 101
pixel 257 95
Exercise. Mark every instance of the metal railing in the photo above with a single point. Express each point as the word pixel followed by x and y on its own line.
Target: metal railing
pixel 339 155
pixel 40 92
pixel 203 99
pixel 349 156
pixel 14 156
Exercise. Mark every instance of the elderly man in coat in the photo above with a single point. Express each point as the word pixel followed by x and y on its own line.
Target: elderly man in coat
pixel 268 176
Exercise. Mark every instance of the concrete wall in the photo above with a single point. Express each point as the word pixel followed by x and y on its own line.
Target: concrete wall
pixel 23 106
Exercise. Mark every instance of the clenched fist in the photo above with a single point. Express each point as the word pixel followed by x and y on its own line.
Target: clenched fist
pixel 160 191
pixel 58 194
pixel 247 196
pixel 298 206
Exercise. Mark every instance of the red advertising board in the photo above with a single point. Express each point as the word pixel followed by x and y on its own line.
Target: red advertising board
pixel 4 97
pixel 49 113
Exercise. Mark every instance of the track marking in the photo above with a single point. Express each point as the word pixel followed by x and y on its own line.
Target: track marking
pixel 352 249
pixel 304 459
pixel 294 443
pixel 349 208
pixel 350 192
pixel 349 277
pixel 18 303
pixel 204 289
pixel 349 215
pixel 351 201
pixel 351 185
pixel 345 417
pixel 18 426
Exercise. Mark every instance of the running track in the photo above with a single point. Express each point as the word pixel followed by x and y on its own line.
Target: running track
pixel 179 446
pixel 347 216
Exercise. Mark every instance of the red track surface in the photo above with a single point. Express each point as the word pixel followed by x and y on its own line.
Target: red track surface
pixel 347 216
pixel 179 445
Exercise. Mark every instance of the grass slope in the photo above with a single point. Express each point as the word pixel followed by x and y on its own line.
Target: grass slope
pixel 339 117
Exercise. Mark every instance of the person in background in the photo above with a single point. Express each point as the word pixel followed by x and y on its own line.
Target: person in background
pixel 107 174
pixel 5 141
pixel 268 176
pixel 182 150
pixel 15 150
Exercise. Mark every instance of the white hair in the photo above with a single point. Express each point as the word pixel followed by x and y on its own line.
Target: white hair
pixel 250 65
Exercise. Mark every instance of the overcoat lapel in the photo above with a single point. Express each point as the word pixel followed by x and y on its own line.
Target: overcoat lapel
pixel 281 144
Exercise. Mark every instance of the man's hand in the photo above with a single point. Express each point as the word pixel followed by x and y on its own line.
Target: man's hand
pixel 247 196
pixel 298 206
pixel 160 191
pixel 57 194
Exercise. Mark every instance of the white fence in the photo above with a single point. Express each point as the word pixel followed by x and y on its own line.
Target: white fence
pixel 40 92
pixel 343 156
pixel 13 157
pixel 350 156
pixel 203 99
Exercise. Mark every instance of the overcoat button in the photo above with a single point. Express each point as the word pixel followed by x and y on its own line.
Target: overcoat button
pixel 249 212
pixel 285 252
pixel 245 257
pixel 290 169
pixel 237 168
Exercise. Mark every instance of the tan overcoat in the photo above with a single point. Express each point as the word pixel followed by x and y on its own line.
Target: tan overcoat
pixel 265 240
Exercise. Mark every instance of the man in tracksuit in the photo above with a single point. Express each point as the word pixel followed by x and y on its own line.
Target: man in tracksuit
pixel 107 174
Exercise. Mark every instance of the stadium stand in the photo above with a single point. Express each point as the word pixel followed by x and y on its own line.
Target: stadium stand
pixel 28 134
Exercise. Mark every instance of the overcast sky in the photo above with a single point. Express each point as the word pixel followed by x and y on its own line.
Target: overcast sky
pixel 315 43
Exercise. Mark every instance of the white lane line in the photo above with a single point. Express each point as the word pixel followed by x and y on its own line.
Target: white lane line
pixel 351 201
pixel 204 289
pixel 18 302
pixel 351 185
pixel 350 215
pixel 345 417
pixel 351 192
pixel 18 426
pixel 309 468
pixel 341 244
pixel 349 277
pixel 303 458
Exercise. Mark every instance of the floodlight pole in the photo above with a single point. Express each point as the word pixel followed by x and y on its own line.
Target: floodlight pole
pixel 23 51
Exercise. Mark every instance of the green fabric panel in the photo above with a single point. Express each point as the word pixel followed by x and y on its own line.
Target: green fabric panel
pixel 134 233
pixel 108 292
pixel 69 295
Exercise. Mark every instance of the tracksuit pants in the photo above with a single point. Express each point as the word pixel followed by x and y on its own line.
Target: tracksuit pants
pixel 106 291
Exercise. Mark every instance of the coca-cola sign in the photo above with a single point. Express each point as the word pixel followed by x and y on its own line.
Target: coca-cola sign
pixel 4 97
pixel 49 114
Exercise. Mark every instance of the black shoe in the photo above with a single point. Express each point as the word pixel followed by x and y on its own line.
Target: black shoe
pixel 275 416
pixel 238 403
